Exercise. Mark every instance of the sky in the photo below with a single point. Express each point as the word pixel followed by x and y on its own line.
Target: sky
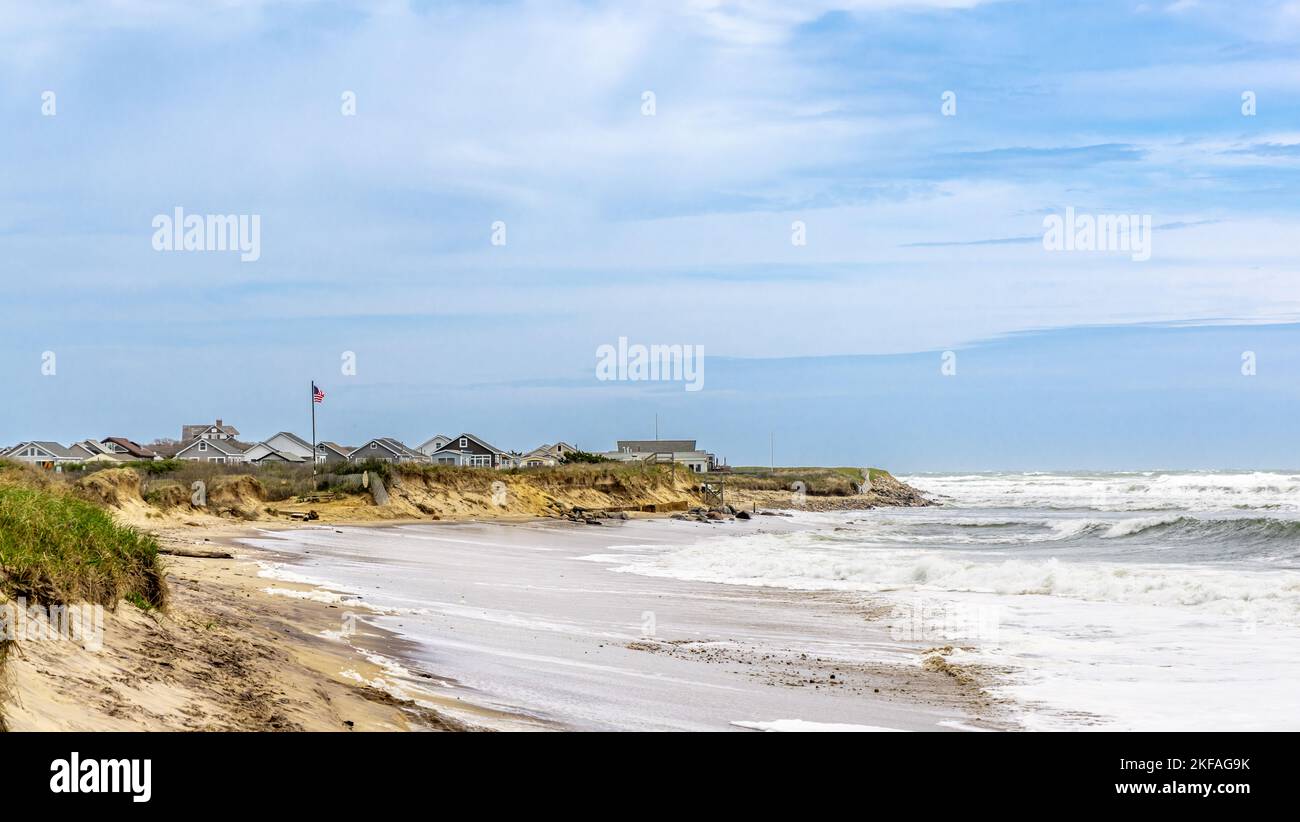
pixel 842 203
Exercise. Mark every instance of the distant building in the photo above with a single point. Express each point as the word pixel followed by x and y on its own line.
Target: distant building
pixel 386 449
pixel 126 449
pixel 97 449
pixel 208 431
pixel 470 451
pixel 45 454
pixel 684 452
pixel 546 455
pixel 331 453
pixel 283 447
pixel 214 449
pixel 434 443
pixel 260 454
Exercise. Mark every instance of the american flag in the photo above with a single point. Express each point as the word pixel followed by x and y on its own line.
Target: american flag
pixel 317 395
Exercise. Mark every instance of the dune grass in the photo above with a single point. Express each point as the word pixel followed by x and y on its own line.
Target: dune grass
pixel 573 475
pixel 57 549
pixel 831 482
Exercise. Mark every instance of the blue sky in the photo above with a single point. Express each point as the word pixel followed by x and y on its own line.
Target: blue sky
pixel 922 229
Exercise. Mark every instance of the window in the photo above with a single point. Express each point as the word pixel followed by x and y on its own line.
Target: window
pixel 464 442
pixel 480 460
pixel 218 459
pixel 374 446
pixel 203 446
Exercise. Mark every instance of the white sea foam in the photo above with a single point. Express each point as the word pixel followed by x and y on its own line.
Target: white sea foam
pixel 1155 601
pixel 1128 527
pixel 798 561
pixel 1152 490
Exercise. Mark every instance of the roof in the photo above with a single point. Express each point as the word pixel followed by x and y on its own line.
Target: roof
pixel 54 449
pixel 656 446
pixel 284 455
pixel 401 447
pixel 93 447
pixel 299 440
pixel 189 432
pixel 455 446
pixel 133 448
pixel 392 444
pixel 59 451
pixel 335 447
pixel 430 440
pixel 227 447
pixel 556 449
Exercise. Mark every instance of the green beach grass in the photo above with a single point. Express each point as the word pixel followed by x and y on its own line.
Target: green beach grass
pixel 829 482
pixel 58 549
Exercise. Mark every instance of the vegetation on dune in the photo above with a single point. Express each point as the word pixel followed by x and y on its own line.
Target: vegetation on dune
pixel 608 473
pixel 829 482
pixel 383 470
pixel 575 457
pixel 57 549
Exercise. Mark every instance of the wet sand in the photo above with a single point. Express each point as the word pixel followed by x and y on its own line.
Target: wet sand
pixel 527 626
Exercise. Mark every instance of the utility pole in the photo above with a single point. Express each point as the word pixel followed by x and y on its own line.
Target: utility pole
pixel 656 427
pixel 771 450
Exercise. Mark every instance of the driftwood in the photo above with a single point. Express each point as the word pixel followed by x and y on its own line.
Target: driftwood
pixel 190 552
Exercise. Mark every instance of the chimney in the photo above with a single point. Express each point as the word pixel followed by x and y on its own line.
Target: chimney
pixel 218 422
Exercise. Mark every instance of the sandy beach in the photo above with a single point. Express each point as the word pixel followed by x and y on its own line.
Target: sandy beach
pixel 528 619
pixel 492 625
pixel 224 655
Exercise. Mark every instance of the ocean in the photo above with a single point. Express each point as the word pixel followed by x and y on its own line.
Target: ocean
pixel 1153 600
pixel 1107 601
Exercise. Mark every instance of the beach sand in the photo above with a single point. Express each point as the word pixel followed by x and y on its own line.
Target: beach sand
pixel 510 628
pixel 224 655
pixel 529 619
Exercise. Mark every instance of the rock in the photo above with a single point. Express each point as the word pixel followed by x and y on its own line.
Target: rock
pixel 742 515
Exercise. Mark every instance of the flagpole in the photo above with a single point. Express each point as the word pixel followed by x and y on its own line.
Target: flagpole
pixel 313 428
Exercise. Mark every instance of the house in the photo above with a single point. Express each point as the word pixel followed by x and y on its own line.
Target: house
pixel 205 431
pixel 47 454
pixel 433 444
pixel 331 453
pixel 215 449
pixel 386 449
pixel 95 448
pixel 546 455
pixel 474 452
pixel 261 454
pixel 126 449
pixel 283 447
pixel 678 451
pixel 98 453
